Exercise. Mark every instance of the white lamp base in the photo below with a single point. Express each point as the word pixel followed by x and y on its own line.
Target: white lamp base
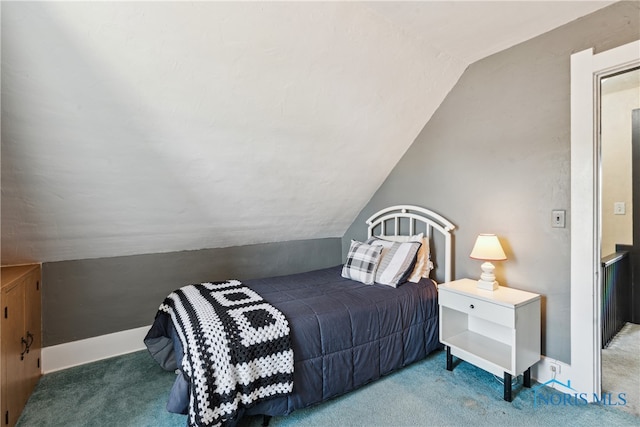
pixel 487 286
pixel 487 278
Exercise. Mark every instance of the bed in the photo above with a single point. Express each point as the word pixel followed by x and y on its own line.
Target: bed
pixel 344 333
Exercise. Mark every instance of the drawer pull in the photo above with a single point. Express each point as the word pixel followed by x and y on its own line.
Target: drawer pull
pixel 25 346
pixel 471 306
pixel 29 340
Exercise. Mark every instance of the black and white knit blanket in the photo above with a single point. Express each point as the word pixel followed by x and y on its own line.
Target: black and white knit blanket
pixel 237 349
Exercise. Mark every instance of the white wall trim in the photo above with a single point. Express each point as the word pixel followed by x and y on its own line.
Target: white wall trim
pixel 586 70
pixel 67 355
pixel 75 353
pixel 584 269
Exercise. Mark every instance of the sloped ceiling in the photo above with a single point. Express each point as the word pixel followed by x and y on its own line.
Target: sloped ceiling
pixel 150 127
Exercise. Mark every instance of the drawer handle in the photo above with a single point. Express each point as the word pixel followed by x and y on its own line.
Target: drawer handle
pixel 471 306
pixel 29 340
pixel 25 345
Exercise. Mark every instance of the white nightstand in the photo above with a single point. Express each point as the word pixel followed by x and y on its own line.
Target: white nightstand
pixel 498 331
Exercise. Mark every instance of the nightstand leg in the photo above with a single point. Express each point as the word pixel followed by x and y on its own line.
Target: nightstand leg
pixel 526 378
pixel 507 387
pixel 449 359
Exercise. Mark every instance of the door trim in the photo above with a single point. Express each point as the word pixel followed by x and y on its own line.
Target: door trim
pixel 586 70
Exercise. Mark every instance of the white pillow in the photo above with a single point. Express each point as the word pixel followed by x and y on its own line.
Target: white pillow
pixel 403 239
pixel 423 265
pixel 396 262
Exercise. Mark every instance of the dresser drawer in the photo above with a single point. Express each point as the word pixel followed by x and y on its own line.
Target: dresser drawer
pixel 478 308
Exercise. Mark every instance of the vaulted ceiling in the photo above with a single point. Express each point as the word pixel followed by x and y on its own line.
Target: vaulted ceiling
pixel 144 127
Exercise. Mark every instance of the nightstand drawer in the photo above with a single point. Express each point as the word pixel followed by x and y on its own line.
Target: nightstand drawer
pixel 478 308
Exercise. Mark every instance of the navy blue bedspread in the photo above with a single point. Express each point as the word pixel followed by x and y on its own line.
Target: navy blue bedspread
pixel 344 334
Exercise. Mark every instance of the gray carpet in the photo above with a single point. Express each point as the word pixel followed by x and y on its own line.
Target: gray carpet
pixel 621 366
pixel 131 390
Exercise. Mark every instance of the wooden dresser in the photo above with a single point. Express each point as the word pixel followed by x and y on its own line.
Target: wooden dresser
pixel 20 338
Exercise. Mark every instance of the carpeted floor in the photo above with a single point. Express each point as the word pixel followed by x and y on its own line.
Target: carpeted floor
pixel 131 390
pixel 621 366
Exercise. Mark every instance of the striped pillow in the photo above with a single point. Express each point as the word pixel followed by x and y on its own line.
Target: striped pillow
pixel 424 265
pixel 398 260
pixel 362 262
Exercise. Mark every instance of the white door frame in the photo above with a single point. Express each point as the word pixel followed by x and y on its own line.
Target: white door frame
pixel 586 71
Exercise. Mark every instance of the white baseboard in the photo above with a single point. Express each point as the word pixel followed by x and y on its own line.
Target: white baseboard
pixel 67 355
pixel 75 353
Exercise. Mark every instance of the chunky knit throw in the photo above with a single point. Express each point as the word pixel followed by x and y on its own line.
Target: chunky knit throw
pixel 237 349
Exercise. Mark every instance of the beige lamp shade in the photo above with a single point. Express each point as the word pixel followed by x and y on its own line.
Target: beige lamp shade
pixel 488 248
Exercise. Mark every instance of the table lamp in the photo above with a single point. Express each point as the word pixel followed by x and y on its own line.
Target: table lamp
pixel 487 248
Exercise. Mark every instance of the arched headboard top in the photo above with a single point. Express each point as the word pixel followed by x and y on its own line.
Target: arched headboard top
pixel 401 214
pixel 411 212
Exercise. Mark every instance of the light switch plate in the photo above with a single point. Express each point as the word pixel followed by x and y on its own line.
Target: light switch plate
pixel 558 219
pixel 619 208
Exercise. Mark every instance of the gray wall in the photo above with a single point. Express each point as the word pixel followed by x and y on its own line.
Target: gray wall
pixel 92 297
pixel 496 158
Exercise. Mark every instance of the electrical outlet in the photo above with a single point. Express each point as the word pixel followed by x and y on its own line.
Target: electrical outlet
pixel 555 368
pixel 557 219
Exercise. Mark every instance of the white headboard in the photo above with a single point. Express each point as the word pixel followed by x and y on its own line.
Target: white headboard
pixel 400 215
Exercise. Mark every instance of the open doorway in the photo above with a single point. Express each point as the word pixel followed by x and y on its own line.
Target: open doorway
pixel 619 207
